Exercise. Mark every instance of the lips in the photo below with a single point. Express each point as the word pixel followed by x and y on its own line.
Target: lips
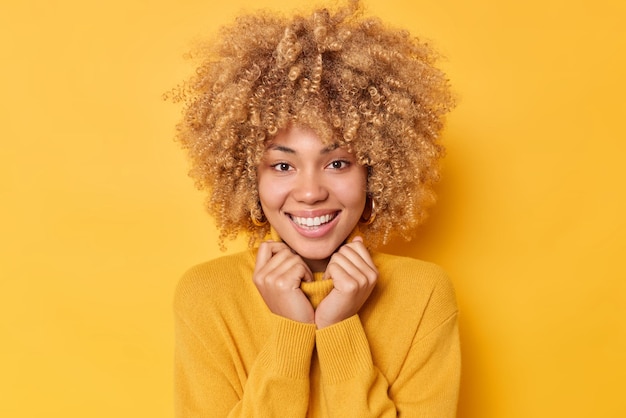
pixel 313 221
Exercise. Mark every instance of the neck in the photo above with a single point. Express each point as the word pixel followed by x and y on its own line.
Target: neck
pixel 317 266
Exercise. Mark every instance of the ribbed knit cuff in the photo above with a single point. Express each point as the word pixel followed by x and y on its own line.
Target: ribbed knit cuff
pixel 289 349
pixel 343 350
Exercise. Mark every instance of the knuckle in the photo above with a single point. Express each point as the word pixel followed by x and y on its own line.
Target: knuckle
pixel 281 283
pixel 363 279
pixel 269 278
pixel 256 279
pixel 350 286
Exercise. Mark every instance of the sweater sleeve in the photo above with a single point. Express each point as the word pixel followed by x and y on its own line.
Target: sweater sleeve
pixel 352 385
pixel 427 385
pixel 277 385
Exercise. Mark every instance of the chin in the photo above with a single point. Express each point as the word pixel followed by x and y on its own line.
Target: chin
pixel 314 252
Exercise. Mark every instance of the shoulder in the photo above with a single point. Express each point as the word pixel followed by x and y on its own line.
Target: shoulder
pixel 214 280
pixel 408 265
pixel 411 271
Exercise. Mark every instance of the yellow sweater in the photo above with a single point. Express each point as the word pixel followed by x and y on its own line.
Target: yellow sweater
pixel 398 357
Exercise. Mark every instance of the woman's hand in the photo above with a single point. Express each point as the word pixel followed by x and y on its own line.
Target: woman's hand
pixel 277 275
pixel 354 277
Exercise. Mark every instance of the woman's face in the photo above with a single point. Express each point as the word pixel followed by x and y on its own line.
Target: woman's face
pixel 312 194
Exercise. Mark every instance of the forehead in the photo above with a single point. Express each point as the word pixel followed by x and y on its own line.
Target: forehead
pixel 297 139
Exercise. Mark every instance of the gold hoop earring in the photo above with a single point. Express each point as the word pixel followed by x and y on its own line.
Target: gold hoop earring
pixel 256 221
pixel 372 212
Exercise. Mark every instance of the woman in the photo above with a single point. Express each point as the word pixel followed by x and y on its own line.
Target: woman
pixel 318 136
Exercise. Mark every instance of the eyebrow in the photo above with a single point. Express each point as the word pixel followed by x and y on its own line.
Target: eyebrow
pixel 282 148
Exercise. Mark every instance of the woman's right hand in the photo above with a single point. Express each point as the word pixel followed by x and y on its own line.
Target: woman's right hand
pixel 277 275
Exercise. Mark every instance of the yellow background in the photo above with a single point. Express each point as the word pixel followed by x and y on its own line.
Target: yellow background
pixel 98 219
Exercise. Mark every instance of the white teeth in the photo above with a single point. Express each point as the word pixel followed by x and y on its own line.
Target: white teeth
pixel 316 221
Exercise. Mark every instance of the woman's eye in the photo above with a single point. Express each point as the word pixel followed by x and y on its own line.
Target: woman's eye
pixel 282 167
pixel 339 164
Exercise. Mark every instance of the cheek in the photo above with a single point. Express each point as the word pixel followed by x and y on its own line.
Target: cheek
pixel 270 193
pixel 353 193
pixel 264 191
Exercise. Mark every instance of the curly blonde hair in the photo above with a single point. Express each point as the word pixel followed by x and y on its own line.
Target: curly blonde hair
pixel 356 82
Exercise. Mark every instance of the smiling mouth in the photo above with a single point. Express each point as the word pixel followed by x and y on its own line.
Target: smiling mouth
pixel 313 222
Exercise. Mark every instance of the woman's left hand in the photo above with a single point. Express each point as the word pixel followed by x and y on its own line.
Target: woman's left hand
pixel 354 277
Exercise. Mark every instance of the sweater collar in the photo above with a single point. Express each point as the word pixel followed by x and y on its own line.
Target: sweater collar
pixel 319 288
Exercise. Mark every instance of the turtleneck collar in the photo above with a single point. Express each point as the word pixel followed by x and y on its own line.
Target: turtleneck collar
pixel 319 288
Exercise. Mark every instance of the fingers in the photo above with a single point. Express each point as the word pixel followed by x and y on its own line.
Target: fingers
pixel 354 277
pixel 359 247
pixel 267 249
pixel 354 260
pixel 278 258
pixel 277 275
pixel 279 271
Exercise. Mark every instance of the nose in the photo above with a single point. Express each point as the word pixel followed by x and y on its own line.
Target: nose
pixel 310 188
